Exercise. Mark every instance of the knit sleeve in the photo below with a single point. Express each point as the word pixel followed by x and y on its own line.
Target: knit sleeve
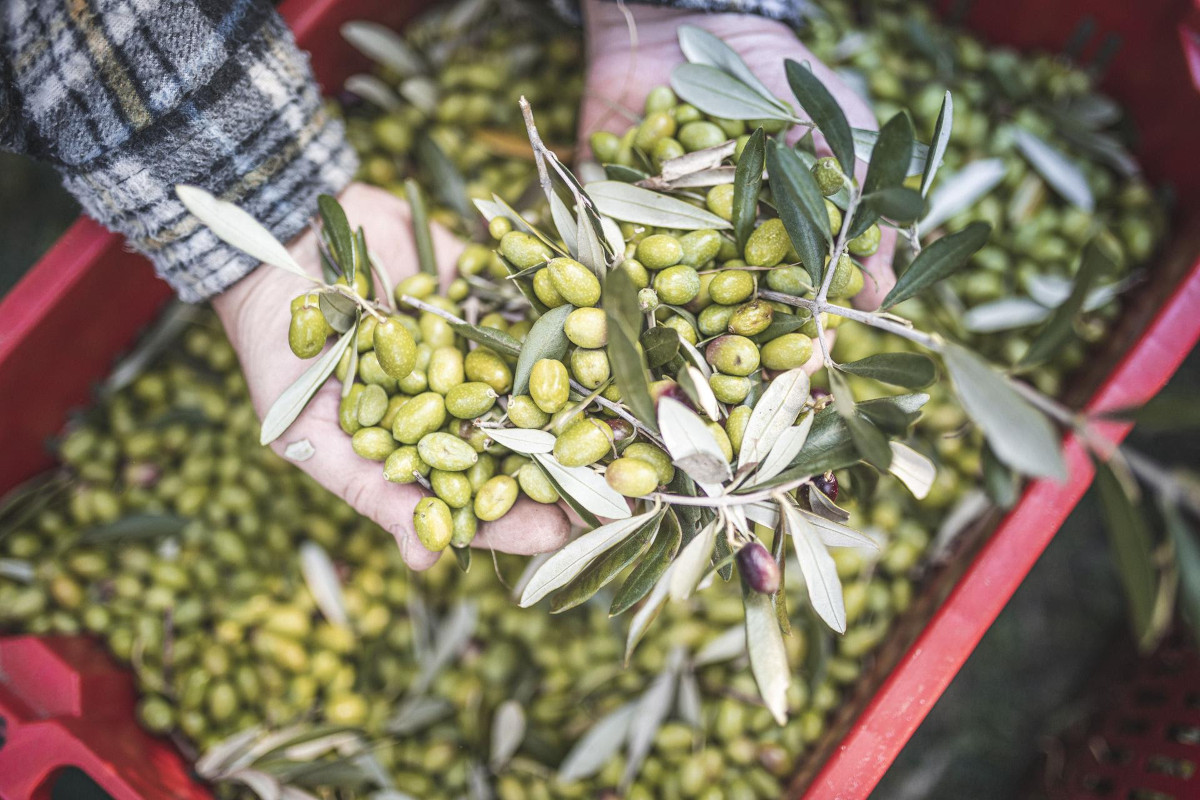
pixel 128 98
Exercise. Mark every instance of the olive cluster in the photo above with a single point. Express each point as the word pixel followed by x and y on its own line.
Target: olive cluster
pixel 473 120
pixel 203 595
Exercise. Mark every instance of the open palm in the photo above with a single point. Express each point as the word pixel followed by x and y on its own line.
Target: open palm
pixel 255 314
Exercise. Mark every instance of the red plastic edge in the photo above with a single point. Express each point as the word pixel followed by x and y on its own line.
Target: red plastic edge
pixel 914 686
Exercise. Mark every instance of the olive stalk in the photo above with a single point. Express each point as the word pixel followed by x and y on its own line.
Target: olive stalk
pixel 873 318
pixel 727 500
pixel 620 411
pixel 838 249
pixel 362 302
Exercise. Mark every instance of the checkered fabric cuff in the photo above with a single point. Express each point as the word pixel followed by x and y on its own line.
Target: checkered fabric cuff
pixel 130 97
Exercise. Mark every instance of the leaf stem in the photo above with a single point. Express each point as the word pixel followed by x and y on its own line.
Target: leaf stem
pixel 727 500
pixel 875 319
pixel 836 256
pixel 620 411
pixel 421 305
pixel 535 139
pixel 364 303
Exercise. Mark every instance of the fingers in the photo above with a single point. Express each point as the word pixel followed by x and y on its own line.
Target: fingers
pixel 527 529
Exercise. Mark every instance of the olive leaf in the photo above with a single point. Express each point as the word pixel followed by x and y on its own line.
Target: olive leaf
pixel 454 632
pixel 652 709
pixel 1057 331
pixel 498 340
pixel 660 344
pixel 625 355
pixel 768 656
pixel 422 233
pixel 896 203
pixel 596 747
pixel 688 703
pixel 564 223
pixel 961 191
pixel 785 447
pixel 1019 434
pixel 697 161
pixel 373 90
pixel 725 646
pixel 1131 549
pixel 781 324
pixel 323 584
pixel 380 43
pixel 701 47
pixel 337 228
pixel 817 566
pixel 801 208
pixel 1002 484
pixel 868 440
pixel 647 613
pixel 546 339
pixel 237 228
pixel 834 533
pixel 938 261
pixel 447 182
pixel 775 411
pixel 522 440
pixel 1060 172
pixel 422 92
pixel 339 310
pixel 1004 314
pixel 693 562
pixel 913 469
pixel 1187 555
pixel 691 444
pixel 719 94
pixel 889 165
pixel 651 567
pixel 291 402
pixel 135 526
pixel 630 203
pixel 508 731
pixel 623 174
pixel 583 488
pixel 823 109
pixel 864 146
pixel 608 566
pixel 694 385
pixel 941 140
pixel 747 183
pixel 592 248
pixel 15 569
pixel 906 370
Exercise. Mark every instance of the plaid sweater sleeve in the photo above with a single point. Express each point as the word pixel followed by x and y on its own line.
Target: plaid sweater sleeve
pixel 129 97
pixel 794 12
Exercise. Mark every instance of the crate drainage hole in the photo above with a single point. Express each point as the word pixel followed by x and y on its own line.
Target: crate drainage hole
pixel 71 783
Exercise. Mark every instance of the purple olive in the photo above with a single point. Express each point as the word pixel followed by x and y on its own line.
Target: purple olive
pixel 758 568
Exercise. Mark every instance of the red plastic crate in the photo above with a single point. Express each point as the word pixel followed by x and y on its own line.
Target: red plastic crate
pixel 86 300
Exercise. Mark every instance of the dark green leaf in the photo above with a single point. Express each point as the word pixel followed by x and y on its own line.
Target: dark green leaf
pixel 824 111
pixel 546 339
pixel 661 344
pixel 779 553
pixel 447 182
pixel 747 182
pixel 496 339
pixel 339 311
pixel 135 526
pixel 1000 482
pixel 1058 329
pixel 897 203
pixel 870 443
pixel 621 303
pixel 1019 434
pixel 701 47
pixel 941 140
pixel 1131 549
pixel 690 518
pixel 463 556
pixel 724 558
pixel 907 370
pixel 523 284
pixel 587 516
pixel 938 260
pixel 781 324
pixel 624 353
pixel 1167 411
pixel 800 207
pixel 888 417
pixel 624 174
pixel 887 170
pixel 1063 174
pixel 651 567
pixel 422 234
pixel 1187 557
pixel 341 238
pixel 601 571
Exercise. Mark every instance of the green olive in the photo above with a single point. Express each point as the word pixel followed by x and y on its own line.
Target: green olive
pixel 446 369
pixel 484 365
pixel 470 400
pixel 375 444
pixel 631 477
pixel 714 320
pixel 574 282
pixel 524 250
pixel 732 355
pixel 700 135
pixel 420 286
pixel 403 465
pixel 348 410
pixel 719 200
pixel 452 487
pixel 866 243
pixel 653 456
pixel 535 484
pixel 660 98
pixel 524 412
pixel 732 286
pixel 729 388
pixel 372 405
pixel 590 367
pixel 436 331
pixel 307 332
pixel 495 498
pixel 636 271
pixel 842 277
pixel 683 327
pixel 789 280
pixel 433 523
pixel 543 288
pixel 657 125
pixel 828 175
pixel 699 247
pixel 659 251
pixel 735 426
pixel 677 285
pixel 587 327
pixel 666 149
pixel 372 372
pixel 483 469
pixel 584 442
pixel 722 438
pixel 446 451
pixel 604 146
pixel 549 384
pixel 751 318
pixel 421 415
pixel 768 244
pixel 788 351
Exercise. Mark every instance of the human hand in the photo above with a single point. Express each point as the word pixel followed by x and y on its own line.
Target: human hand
pixel 255 313
pixel 620 77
